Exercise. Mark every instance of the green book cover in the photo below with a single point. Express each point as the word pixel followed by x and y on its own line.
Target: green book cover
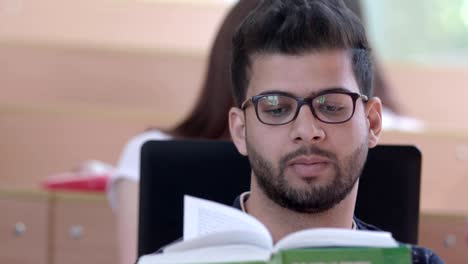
pixel 399 255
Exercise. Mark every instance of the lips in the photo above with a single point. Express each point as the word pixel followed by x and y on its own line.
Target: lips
pixel 308 160
pixel 309 166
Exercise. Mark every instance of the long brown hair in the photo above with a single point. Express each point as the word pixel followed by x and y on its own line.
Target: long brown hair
pixel 381 86
pixel 209 117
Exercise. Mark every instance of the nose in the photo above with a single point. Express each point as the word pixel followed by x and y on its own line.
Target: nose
pixel 306 127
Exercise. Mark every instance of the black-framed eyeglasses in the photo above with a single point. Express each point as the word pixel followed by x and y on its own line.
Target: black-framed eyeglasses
pixel 278 108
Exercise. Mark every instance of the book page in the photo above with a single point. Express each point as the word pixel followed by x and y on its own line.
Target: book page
pixel 225 238
pixel 202 217
pixel 219 254
pixel 336 237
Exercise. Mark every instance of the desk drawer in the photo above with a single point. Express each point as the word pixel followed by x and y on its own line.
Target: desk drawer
pixel 444 234
pixel 24 230
pixel 84 231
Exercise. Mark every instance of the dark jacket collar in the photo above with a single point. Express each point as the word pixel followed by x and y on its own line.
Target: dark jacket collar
pixel 360 225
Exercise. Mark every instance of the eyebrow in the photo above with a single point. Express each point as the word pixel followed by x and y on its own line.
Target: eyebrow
pixel 326 90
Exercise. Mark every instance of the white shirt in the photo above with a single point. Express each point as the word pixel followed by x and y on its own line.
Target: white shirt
pixel 128 166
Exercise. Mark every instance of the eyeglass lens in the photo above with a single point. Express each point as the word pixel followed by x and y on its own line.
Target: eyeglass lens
pixel 281 109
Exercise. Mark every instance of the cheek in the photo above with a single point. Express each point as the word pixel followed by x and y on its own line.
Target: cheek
pixel 267 141
pixel 359 126
pixel 348 137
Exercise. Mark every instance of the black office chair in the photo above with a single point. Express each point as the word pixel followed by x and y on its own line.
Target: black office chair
pixel 388 192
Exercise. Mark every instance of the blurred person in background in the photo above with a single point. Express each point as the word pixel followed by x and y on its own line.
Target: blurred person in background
pixel 393 113
pixel 208 120
pixel 466 232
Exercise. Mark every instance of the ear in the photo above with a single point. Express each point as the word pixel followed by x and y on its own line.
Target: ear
pixel 237 129
pixel 374 120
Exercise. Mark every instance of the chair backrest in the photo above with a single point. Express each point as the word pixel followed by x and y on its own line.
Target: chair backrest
pixel 388 192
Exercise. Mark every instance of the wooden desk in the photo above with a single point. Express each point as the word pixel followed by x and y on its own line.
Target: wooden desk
pixel 24 227
pixel 444 233
pixel 56 228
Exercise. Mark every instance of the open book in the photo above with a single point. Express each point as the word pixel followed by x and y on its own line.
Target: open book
pixel 216 233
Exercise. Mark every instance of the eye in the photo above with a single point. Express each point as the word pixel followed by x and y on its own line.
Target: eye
pixel 278 110
pixel 331 108
pixel 276 106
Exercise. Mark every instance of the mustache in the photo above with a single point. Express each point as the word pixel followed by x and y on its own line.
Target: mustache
pixel 307 151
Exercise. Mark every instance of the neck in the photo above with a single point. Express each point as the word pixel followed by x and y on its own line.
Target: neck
pixel 281 221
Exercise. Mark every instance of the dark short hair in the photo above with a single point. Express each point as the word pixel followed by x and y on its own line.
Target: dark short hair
pixel 295 27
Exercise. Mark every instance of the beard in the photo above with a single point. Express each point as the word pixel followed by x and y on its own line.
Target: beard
pixel 313 198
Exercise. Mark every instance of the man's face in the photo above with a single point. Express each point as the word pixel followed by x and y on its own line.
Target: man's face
pixel 306 165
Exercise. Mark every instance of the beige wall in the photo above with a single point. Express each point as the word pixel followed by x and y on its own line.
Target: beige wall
pixel 78 79
pixel 96 82
pixel 147 24
pixel 435 94
pixel 78 89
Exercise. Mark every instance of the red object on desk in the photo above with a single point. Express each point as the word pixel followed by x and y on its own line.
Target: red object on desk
pixel 77 182
pixel 90 176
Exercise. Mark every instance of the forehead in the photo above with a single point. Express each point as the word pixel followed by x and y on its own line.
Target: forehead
pixel 301 75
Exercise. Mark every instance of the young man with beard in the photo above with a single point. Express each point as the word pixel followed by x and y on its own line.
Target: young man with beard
pixel 302 80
